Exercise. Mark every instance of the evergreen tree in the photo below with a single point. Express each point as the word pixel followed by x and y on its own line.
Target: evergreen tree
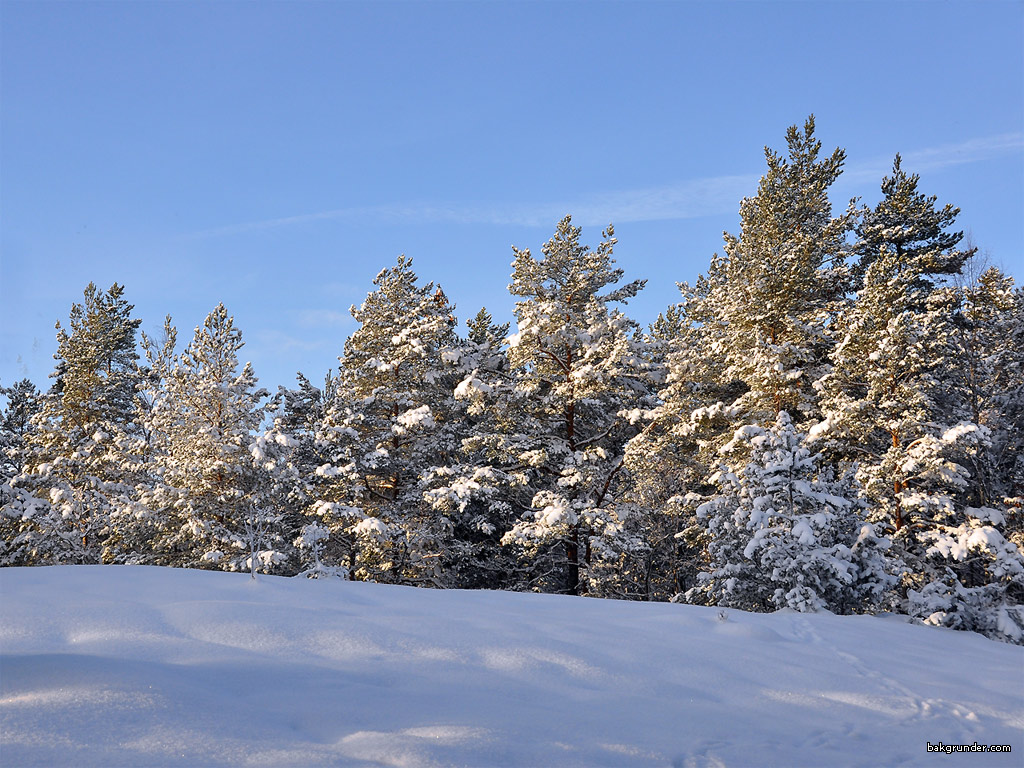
pixel 784 278
pixel 550 432
pixel 23 402
pixel 466 489
pixel 387 426
pixel 21 513
pixel 218 478
pixel 747 342
pixel 898 408
pixel 989 342
pixel 672 458
pixel 83 451
pixel 783 534
pixel 906 224
pixel 299 415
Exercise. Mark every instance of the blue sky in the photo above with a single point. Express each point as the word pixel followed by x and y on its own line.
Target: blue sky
pixel 276 156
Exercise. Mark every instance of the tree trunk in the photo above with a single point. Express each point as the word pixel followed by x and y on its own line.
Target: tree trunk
pixel 572 554
pixel 897 487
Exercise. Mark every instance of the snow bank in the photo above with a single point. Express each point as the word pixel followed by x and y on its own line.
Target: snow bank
pixel 115 666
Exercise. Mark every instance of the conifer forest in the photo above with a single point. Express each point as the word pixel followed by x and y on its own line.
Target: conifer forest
pixel 830 418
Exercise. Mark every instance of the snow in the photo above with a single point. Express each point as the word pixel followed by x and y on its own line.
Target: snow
pixel 127 665
pixel 420 417
pixel 953 434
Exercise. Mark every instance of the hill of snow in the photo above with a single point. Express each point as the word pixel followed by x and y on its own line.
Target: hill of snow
pixel 114 666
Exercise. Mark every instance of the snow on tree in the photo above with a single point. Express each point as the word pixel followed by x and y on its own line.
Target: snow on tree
pixel 219 478
pixel 784 277
pixel 973 577
pixel 549 430
pixel 387 425
pixel 908 225
pixel 972 567
pixel 784 534
pixel 673 457
pixel 298 414
pixel 989 339
pixel 883 395
pixel 773 441
pixel 898 409
pixel 82 453
pixel 468 490
pixel 747 341
pixel 23 402
pixel 22 515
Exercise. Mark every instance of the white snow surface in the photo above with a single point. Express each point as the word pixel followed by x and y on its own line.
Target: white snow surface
pixel 137 666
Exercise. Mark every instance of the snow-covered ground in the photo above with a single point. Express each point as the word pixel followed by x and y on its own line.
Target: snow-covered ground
pixel 113 666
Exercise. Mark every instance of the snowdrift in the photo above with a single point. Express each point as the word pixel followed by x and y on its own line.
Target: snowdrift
pixel 117 666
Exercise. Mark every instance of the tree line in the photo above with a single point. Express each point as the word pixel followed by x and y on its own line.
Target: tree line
pixel 830 418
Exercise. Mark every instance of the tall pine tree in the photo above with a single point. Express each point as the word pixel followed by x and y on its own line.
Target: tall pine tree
pixel 387 426
pixel 83 452
pixel 217 490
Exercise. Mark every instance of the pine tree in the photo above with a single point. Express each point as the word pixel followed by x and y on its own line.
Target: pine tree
pixel 783 534
pixel 387 426
pixel 885 392
pixel 546 449
pixel 906 224
pixel 973 574
pixel 747 342
pixel 899 410
pixel 82 453
pixel 23 402
pixel 466 489
pixel 21 513
pixel 989 341
pixel 298 415
pixel 673 457
pixel 782 280
pixel 219 477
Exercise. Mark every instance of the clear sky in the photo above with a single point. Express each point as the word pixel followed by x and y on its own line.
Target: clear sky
pixel 276 156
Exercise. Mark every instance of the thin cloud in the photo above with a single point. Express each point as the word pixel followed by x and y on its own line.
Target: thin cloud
pixel 684 200
pixel 317 318
pixel 943 156
pixel 276 341
pixel 691 199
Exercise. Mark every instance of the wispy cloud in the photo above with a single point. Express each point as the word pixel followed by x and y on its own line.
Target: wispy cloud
pixel 943 156
pixel 689 199
pixel 684 200
pixel 318 318
pixel 270 342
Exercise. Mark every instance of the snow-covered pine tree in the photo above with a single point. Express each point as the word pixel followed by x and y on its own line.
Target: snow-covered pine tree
pixel 387 426
pixel 19 534
pixel 466 490
pixel 907 224
pixel 298 415
pixel 974 549
pixel 749 339
pixel 672 458
pixel 550 438
pixel 989 339
pixel 894 350
pixel 23 402
pixel 219 478
pixel 784 534
pixel 784 278
pixel 82 453
pixel 894 410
